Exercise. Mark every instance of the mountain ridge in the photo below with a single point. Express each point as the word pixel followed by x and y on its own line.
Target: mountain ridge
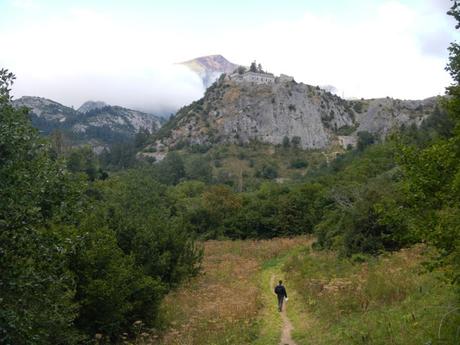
pixel 99 124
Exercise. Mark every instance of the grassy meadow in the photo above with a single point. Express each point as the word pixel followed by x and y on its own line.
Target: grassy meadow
pixel 392 299
pixel 230 302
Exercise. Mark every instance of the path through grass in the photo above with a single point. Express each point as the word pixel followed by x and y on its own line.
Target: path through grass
pixel 373 301
pixel 230 303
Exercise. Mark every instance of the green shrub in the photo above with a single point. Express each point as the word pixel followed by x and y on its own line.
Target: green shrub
pixel 267 172
pixel 298 163
pixel 365 139
pixel 111 289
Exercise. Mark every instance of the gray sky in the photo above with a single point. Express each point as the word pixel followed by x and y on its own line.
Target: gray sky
pixel 123 52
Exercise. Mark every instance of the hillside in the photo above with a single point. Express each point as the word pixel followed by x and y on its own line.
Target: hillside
pixel 209 68
pixel 94 122
pixel 242 108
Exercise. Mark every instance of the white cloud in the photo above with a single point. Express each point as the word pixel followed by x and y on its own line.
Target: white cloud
pixel 386 53
pixel 395 50
pixel 87 55
pixel 24 4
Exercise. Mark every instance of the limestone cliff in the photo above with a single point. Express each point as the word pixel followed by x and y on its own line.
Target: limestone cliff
pixel 236 110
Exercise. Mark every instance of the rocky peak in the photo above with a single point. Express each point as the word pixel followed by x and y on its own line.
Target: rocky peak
pixel 210 67
pixel 90 105
pixel 45 109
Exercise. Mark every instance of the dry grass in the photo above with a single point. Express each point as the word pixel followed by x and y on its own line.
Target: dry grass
pixel 222 305
pixel 386 300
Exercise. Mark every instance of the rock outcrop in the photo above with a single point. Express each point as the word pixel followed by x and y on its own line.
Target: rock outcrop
pixel 238 111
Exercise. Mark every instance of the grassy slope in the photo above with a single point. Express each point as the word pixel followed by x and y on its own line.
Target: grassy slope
pixel 390 300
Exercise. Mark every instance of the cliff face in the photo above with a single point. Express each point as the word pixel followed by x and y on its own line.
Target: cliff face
pixel 234 110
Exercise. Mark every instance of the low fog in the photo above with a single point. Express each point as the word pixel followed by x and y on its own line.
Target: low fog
pixel 161 91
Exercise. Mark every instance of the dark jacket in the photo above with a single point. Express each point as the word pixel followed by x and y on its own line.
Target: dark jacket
pixel 280 291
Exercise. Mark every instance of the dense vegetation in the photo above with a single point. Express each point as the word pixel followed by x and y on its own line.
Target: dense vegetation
pixel 79 257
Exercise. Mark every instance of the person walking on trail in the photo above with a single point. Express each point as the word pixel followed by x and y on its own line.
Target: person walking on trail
pixel 280 291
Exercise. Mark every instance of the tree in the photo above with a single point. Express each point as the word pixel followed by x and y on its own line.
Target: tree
pixel 137 248
pixel 268 171
pixel 199 169
pixel 6 80
pixel 142 137
pixel 296 141
pixel 220 204
pixel 36 286
pixel 286 142
pixel 253 67
pixel 84 160
pixel 171 170
pixel 58 142
pixel 259 68
pixel 432 176
pixel 365 139
pixel 241 69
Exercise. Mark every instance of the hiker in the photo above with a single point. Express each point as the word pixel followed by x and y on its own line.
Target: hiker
pixel 280 291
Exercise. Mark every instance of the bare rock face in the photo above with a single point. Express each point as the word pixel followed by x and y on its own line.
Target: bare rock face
pixel 380 116
pixel 45 109
pixel 210 67
pixel 234 110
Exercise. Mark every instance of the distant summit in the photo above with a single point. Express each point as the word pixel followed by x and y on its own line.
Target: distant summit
pixel 91 105
pixel 210 67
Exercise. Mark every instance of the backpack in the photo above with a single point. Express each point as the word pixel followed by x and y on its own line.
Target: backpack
pixel 279 290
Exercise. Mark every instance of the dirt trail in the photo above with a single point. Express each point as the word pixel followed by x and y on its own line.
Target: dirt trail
pixel 287 325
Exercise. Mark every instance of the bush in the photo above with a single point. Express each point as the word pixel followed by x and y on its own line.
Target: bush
pixel 365 139
pixel 111 289
pixel 171 170
pixel 198 168
pixel 286 142
pixel 296 141
pixel 367 220
pixel 299 164
pixel 267 172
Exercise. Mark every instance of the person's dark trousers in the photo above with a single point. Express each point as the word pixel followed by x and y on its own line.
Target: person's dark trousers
pixel 280 302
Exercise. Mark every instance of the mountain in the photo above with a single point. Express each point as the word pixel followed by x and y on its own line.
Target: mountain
pixel 91 105
pixel 259 106
pixel 210 67
pixel 94 122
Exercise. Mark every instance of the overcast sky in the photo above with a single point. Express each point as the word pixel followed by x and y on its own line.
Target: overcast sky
pixel 123 52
